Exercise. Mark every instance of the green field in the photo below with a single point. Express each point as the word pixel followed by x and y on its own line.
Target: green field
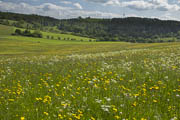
pixel 8 30
pixel 42 79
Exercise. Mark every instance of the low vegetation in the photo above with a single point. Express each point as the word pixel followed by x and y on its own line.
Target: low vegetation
pixel 141 83
pixel 28 33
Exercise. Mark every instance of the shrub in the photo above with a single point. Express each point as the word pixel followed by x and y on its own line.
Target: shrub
pixel 18 32
pixel 37 34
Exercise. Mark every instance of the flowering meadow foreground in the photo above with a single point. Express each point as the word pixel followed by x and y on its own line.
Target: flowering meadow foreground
pixel 134 84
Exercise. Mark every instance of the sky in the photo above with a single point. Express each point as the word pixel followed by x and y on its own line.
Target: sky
pixel 65 9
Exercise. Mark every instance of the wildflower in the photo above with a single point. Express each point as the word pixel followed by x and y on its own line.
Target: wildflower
pixel 175 118
pixel 77 116
pixel 114 109
pixel 156 87
pixel 105 108
pixel 134 104
pixel 38 99
pixel 80 111
pixel 155 101
pixel 46 113
pixel 121 79
pixel 60 116
pixel 174 67
pixel 73 96
pixel 22 118
pixel 57 85
pixel 95 86
pixel 117 117
pixel 11 100
pixel 108 99
pixel 47 99
pixel 92 118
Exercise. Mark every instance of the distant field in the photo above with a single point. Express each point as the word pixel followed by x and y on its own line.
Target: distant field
pixel 6 30
pixel 14 45
pixel 63 37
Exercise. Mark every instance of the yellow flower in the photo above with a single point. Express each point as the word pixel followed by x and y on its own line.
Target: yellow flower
pixel 80 111
pixel 77 116
pixel 134 104
pixel 92 118
pixel 22 118
pixel 156 87
pixel 117 117
pixel 155 101
pixel 46 113
pixel 121 79
pixel 114 109
pixel 57 85
pixel 143 119
pixel 38 99
pixel 11 100
pixel 60 116
pixel 95 86
pixel 47 99
pixel 107 81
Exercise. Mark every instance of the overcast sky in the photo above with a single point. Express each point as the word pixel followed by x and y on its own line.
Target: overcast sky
pixel 163 9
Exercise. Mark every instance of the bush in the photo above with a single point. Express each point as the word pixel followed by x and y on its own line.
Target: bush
pixel 18 32
pixel 59 38
pixel 28 33
pixel 37 34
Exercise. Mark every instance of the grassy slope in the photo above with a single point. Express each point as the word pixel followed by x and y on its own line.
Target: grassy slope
pixel 26 45
pixel 63 36
pixel 13 45
pixel 5 30
pixel 8 30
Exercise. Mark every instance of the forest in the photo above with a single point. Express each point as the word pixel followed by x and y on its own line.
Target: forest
pixel 130 29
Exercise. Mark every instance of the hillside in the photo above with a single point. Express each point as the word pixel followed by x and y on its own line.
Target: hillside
pixel 132 29
pixel 123 29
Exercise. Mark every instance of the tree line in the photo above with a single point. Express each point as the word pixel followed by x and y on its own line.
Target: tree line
pixel 131 29
pixel 28 33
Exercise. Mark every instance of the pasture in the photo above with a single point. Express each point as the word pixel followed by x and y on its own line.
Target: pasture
pixel 43 79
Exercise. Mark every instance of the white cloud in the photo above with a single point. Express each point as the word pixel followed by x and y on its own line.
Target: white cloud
pixel 138 5
pixel 161 5
pixel 61 12
pixel 49 9
pixel 168 16
pixel 78 5
pixel 98 1
pixel 66 2
pixel 112 2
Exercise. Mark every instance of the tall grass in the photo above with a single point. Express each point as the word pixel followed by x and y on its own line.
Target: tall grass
pixel 141 83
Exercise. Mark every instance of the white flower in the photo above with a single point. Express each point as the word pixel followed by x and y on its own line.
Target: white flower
pixel 174 118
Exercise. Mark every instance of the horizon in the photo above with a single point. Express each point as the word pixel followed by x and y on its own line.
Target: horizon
pixel 92 17
pixel 67 9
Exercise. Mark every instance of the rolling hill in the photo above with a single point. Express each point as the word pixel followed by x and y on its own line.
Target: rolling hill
pixel 132 29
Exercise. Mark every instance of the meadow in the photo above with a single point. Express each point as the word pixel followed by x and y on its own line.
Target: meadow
pixel 43 79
